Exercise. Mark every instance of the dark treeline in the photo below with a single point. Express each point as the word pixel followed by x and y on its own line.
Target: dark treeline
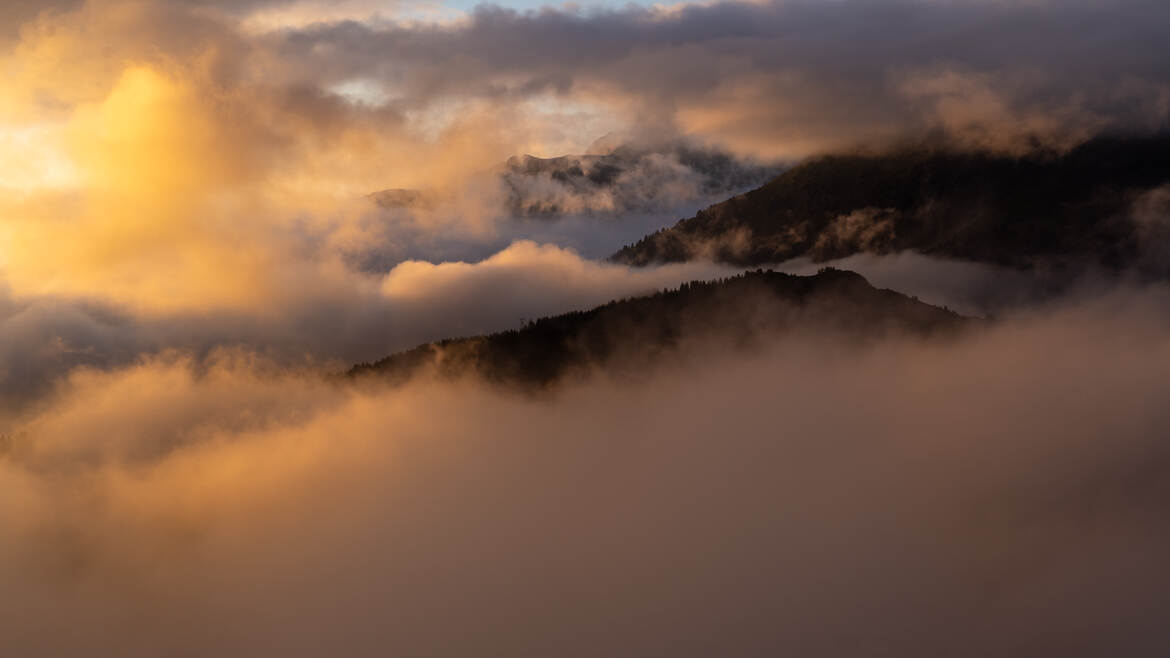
pixel 1048 211
pixel 631 333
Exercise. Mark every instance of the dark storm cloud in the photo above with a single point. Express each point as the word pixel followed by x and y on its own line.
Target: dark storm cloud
pixel 802 73
pixel 774 78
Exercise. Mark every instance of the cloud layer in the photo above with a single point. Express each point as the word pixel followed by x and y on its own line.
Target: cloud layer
pixel 996 496
pixel 788 78
pixel 175 157
pixel 330 324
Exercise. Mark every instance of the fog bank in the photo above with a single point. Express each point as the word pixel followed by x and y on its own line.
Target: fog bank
pixel 1001 495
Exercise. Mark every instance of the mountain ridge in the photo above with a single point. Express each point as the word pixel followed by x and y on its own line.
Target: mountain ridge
pixel 1042 210
pixel 627 178
pixel 634 332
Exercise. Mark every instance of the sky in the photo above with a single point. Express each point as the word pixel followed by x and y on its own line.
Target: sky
pixel 268 123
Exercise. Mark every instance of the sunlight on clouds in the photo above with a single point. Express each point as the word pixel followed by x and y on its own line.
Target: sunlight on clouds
pixel 194 186
pixel 171 162
pixel 174 158
pixel 33 157
pixel 306 13
pixel 541 270
pixel 153 160
pixel 210 209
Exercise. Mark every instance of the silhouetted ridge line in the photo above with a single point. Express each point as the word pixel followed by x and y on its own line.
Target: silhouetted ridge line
pixel 630 333
pixel 1043 210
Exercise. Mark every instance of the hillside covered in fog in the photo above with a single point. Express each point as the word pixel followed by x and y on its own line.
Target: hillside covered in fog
pixel 1103 204
pixel 629 335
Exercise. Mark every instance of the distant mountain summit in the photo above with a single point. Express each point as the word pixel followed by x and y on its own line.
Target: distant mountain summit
pixel 623 178
pixel 612 178
pixel 1097 205
pixel 631 334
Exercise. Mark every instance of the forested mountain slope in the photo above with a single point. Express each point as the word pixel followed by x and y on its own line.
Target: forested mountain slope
pixel 631 333
pixel 1094 206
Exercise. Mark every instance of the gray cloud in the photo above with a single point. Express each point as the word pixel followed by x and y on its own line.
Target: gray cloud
pixel 803 74
pixel 15 13
pixel 773 78
pixel 593 203
pixel 626 179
